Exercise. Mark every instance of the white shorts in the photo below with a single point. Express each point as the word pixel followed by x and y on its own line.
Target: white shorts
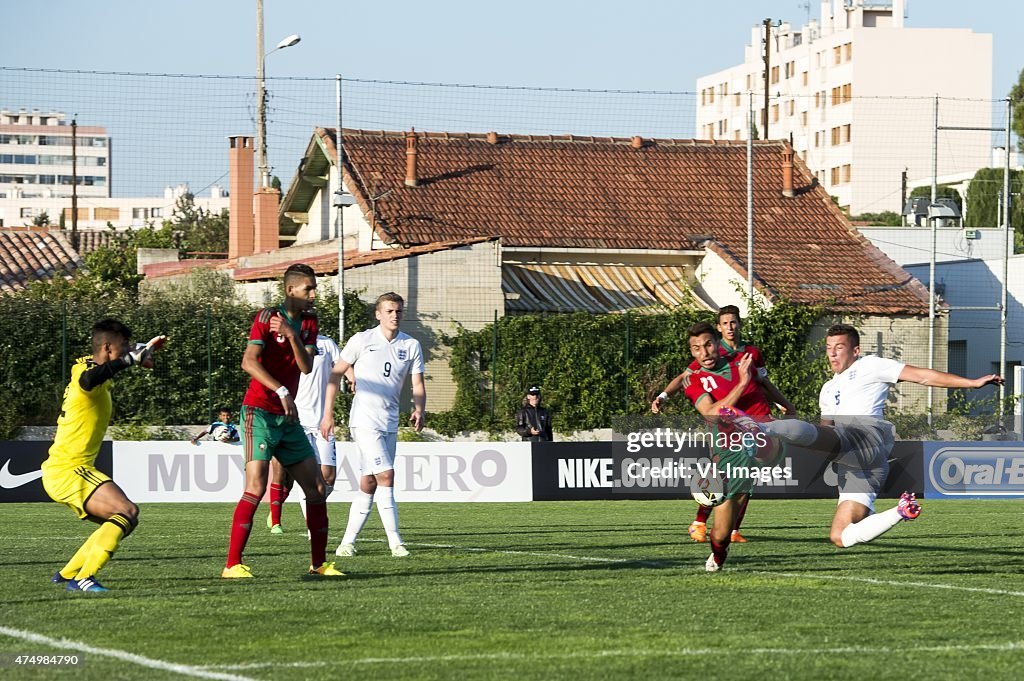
pixel 324 449
pixel 376 450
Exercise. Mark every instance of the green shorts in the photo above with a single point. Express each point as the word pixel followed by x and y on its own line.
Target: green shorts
pixel 735 464
pixel 268 435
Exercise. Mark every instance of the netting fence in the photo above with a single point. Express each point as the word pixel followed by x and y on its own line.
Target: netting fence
pixel 164 130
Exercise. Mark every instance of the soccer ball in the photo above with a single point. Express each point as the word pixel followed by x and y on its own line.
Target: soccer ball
pixel 221 434
pixel 707 497
pixel 709 491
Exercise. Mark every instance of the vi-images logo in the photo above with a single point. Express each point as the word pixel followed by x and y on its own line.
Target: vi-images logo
pixel 9 480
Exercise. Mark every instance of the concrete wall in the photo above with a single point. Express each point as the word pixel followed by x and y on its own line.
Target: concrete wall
pixel 716 282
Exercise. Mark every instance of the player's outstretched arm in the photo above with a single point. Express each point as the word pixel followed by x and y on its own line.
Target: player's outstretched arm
pixel 941 379
pixel 675 385
pixel 775 396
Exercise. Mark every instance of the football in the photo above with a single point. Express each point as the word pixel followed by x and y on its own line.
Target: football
pixel 708 491
pixel 221 434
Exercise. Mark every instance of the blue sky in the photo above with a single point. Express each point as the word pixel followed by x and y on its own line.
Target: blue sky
pixel 643 44
pixel 656 45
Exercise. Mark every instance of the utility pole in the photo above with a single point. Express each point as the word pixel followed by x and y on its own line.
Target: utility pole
pixel 74 183
pixel 903 189
pixel 767 72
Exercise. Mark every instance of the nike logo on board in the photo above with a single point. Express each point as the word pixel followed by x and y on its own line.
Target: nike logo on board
pixel 9 480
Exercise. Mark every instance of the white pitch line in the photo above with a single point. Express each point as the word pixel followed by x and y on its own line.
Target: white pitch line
pixel 67 644
pixel 636 652
pixel 789 575
pixel 886 582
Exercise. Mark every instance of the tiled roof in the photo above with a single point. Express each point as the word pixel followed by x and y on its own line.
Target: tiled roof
pixel 30 254
pixel 585 192
pixel 91 239
pixel 327 262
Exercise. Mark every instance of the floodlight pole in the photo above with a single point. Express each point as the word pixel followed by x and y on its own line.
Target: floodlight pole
pixel 340 218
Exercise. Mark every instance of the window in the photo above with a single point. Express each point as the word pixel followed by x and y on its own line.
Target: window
pixel 848 49
pixel 837 55
pixel 156 212
pixel 837 94
pixel 817 138
pixel 847 92
pixel 775 74
pixel 846 134
pixel 835 175
pixel 749 81
pixel 28 212
pixel 817 100
pixel 835 136
pixel 711 95
pixel 106 214
pixel 139 214
pixel 846 173
pixel 803 119
pixel 790 107
pixel 736 135
pixel 803 79
pixel 83 214
pixel 817 59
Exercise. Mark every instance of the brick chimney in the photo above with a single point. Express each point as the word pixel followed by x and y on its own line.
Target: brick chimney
pixel 410 159
pixel 787 171
pixel 240 222
pixel 492 137
pixel 267 233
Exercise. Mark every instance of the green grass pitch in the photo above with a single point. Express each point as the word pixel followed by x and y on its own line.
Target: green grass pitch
pixel 577 590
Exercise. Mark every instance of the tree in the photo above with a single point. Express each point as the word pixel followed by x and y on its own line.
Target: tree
pixel 983 198
pixel 1017 104
pixel 41 220
pixel 200 230
pixel 886 218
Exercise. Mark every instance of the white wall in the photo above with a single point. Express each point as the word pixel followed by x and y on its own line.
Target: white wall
pixel 716 282
pixel 913 245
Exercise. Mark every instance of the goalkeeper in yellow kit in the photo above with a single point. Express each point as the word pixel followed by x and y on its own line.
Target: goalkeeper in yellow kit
pixel 69 476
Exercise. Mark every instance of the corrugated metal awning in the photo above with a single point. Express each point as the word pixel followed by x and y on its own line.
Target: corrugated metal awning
pixel 595 288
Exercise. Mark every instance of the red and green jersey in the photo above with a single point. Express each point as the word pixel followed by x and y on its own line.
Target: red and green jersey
pixel 717 383
pixel 277 356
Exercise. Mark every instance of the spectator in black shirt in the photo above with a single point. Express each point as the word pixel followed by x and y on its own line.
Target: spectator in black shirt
pixel 533 422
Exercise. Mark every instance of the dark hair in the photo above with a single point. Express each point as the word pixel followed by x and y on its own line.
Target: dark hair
pixel 298 270
pixel 701 328
pixel 728 309
pixel 105 330
pixel 844 330
pixel 223 409
pixel 389 297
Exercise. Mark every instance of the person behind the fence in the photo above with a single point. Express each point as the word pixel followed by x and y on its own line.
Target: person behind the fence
pixel 533 422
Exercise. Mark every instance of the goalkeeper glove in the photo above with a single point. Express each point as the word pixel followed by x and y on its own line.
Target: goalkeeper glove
pixel 143 351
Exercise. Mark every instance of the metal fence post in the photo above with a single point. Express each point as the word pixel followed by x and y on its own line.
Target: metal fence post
pixel 494 360
pixel 209 364
pixel 64 378
pixel 625 391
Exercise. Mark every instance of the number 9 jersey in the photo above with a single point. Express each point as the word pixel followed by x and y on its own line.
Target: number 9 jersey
pixel 380 369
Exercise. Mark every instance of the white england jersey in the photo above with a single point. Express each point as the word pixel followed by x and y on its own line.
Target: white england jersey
pixel 861 390
pixel 309 399
pixel 380 368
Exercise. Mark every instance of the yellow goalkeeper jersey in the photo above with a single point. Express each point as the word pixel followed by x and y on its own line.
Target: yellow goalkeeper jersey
pixel 83 420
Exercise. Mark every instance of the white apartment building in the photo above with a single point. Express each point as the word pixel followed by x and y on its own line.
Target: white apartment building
pixel 855 91
pixel 35 156
pixel 96 212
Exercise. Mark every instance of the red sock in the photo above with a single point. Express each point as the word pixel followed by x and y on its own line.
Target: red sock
pixel 720 551
pixel 241 526
pixel 703 513
pixel 740 513
pixel 316 522
pixel 277 497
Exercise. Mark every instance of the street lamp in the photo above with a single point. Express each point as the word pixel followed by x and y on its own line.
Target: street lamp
pixel 261 93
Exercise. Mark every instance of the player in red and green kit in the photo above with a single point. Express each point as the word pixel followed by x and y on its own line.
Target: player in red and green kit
pixel 731 343
pixel 727 381
pixel 281 344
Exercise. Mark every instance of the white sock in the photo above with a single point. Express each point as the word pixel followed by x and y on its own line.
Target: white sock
pixel 358 512
pixel 388 510
pixel 871 527
pixel 792 431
